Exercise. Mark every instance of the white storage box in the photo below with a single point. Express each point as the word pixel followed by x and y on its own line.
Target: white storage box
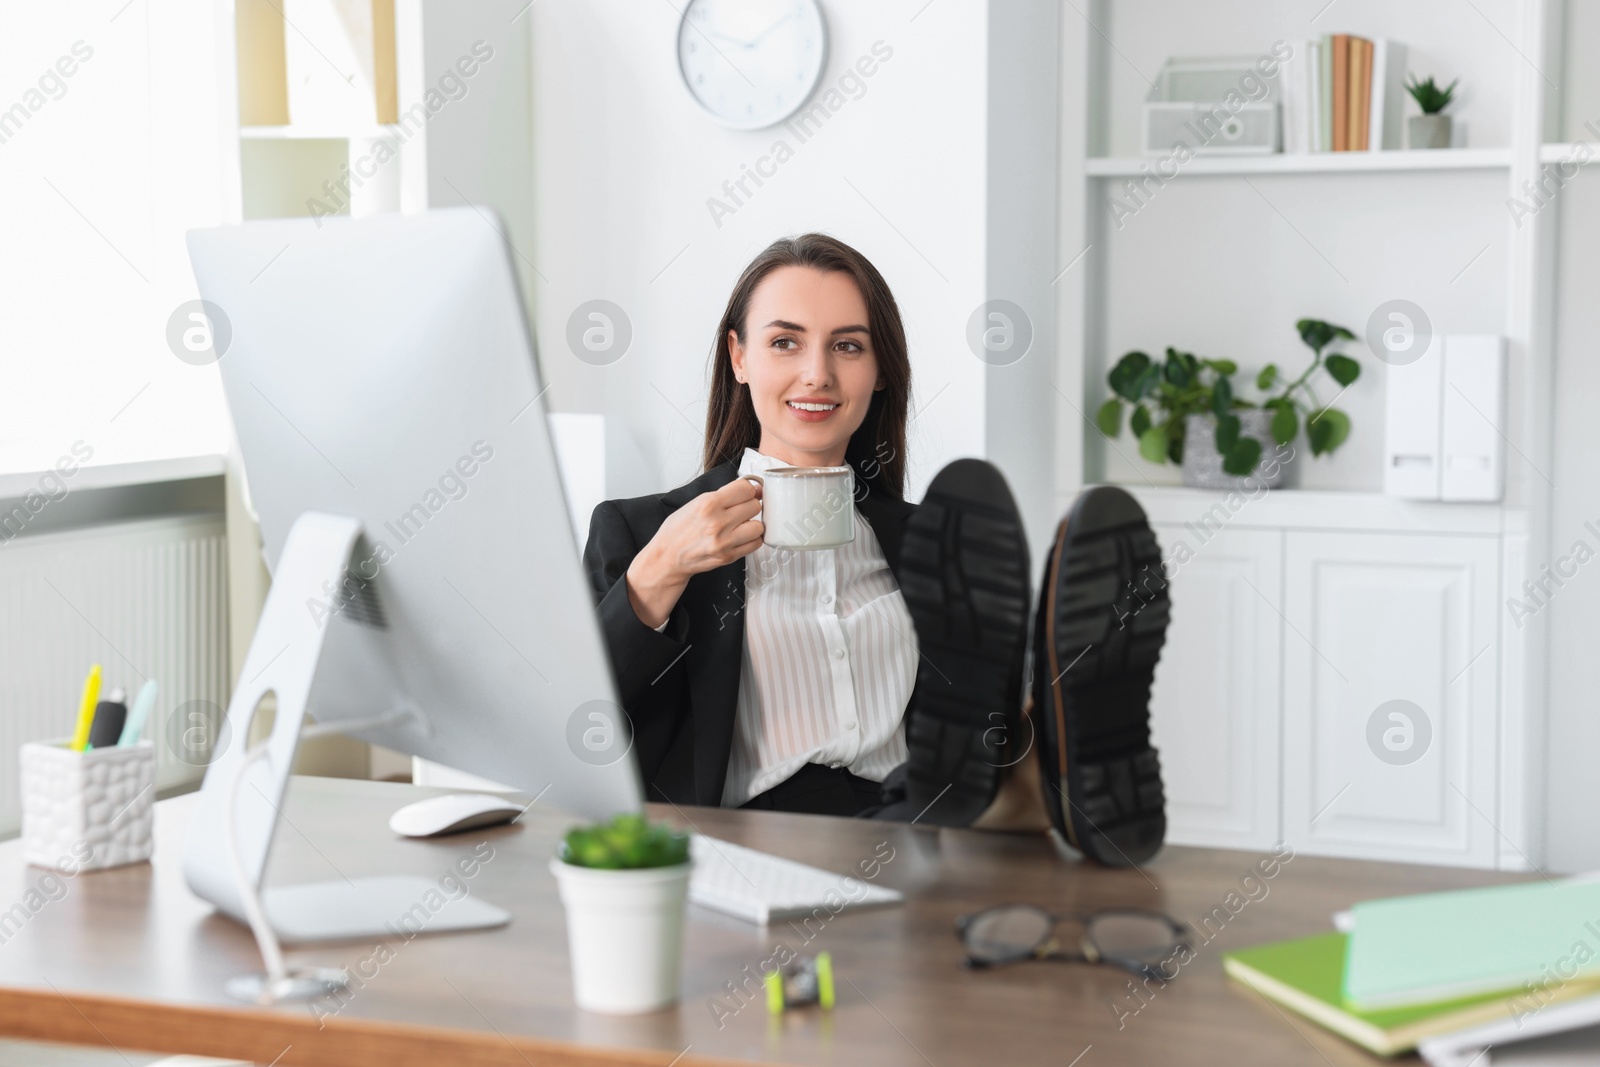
pixel 1187 105
pixel 82 811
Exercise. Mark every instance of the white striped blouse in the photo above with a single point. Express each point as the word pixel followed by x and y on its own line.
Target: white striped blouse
pixel 830 657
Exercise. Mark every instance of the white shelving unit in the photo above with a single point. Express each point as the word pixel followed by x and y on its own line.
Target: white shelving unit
pixel 461 84
pixel 1576 151
pixel 461 109
pixel 1263 737
pixel 1311 163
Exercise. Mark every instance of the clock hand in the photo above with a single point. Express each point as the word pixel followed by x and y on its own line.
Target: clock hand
pixel 717 33
pixel 758 37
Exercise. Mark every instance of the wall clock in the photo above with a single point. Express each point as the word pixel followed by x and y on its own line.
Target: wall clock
pixel 751 63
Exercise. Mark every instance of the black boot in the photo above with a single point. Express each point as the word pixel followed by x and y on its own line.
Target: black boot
pixel 1103 610
pixel 964 575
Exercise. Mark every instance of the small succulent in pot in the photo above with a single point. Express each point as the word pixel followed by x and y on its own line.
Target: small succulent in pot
pixel 624 885
pixel 1429 97
pixel 1432 128
pixel 628 842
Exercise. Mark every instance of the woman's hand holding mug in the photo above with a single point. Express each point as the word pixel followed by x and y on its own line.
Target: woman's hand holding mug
pixel 708 532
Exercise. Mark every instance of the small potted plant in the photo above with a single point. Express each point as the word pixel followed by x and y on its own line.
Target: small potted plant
pixel 1172 405
pixel 1431 129
pixel 624 885
pixel 1184 409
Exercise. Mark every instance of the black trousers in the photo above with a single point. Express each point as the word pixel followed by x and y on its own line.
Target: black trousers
pixel 819 790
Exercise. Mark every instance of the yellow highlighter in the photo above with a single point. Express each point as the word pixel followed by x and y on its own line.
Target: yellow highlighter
pixel 91 696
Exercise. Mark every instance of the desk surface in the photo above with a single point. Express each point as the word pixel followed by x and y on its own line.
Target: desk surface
pixel 129 958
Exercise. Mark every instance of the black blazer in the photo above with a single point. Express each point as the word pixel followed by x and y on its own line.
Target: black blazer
pixel 680 688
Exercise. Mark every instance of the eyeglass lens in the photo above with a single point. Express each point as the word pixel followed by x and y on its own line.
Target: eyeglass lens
pixel 1010 933
pixel 1132 936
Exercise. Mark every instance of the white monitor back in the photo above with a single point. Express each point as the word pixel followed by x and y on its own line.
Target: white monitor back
pixel 383 369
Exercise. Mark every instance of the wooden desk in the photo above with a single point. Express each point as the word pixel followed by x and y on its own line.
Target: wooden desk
pixel 130 959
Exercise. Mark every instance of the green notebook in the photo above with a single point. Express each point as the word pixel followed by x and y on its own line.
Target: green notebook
pixel 1307 976
pixel 1430 947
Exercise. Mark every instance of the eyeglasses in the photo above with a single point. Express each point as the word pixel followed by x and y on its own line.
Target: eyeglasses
pixel 1129 938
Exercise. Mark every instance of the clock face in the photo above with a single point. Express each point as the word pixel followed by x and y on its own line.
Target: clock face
pixel 751 63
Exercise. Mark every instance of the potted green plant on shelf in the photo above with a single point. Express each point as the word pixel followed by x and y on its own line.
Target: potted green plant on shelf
pixel 1431 129
pixel 1162 398
pixel 624 885
pixel 1184 409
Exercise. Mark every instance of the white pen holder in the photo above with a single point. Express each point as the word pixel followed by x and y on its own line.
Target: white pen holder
pixel 83 811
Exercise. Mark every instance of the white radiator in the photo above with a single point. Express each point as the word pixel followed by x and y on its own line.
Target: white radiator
pixel 144 599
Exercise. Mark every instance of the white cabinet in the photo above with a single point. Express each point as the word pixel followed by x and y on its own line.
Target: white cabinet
pixel 1214 710
pixel 1389 696
pixel 1331 676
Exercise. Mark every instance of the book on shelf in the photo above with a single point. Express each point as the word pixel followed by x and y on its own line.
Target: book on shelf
pixel 1316 140
pixel 1360 91
pixel 1306 975
pixel 1343 93
pixel 1290 79
pixel 1324 104
pixel 1388 96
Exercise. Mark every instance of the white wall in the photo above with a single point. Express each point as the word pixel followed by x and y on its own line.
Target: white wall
pixel 625 164
pixel 1572 785
pixel 1580 75
pixel 1022 415
pixel 101 178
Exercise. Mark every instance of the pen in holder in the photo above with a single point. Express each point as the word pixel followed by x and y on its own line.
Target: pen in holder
pixel 83 811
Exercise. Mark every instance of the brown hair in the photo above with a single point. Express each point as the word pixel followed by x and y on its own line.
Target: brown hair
pixel 877 450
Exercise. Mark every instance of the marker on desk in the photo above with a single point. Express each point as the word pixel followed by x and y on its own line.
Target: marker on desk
pixel 91 693
pixel 138 713
pixel 109 716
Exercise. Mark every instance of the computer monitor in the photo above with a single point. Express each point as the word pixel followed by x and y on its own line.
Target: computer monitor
pixel 427 590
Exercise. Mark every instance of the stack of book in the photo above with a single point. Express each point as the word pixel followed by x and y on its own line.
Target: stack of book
pixel 1449 972
pixel 1343 93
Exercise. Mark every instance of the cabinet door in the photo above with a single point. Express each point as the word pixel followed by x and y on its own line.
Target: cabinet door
pixel 1214 709
pixel 1389 696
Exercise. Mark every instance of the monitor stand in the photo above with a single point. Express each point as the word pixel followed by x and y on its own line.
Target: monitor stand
pixel 241 798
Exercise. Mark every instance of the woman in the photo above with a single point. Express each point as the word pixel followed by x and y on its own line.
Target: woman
pixel 754 676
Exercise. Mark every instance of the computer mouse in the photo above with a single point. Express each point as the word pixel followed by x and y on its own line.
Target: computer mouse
pixel 452 813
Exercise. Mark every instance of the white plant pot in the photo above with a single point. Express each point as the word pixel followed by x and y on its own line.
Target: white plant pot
pixel 624 934
pixel 1202 464
pixel 1428 131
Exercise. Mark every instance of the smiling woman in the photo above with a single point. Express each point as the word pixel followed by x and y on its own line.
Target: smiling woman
pixel 765 365
pixel 784 684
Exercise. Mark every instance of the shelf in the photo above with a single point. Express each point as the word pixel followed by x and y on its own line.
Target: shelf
pixel 1577 151
pixel 1319 509
pixel 301 133
pixel 1311 162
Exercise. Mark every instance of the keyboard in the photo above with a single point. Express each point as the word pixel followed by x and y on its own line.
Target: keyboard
pixel 761 888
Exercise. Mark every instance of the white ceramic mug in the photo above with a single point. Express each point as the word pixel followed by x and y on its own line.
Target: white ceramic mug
pixel 806 508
